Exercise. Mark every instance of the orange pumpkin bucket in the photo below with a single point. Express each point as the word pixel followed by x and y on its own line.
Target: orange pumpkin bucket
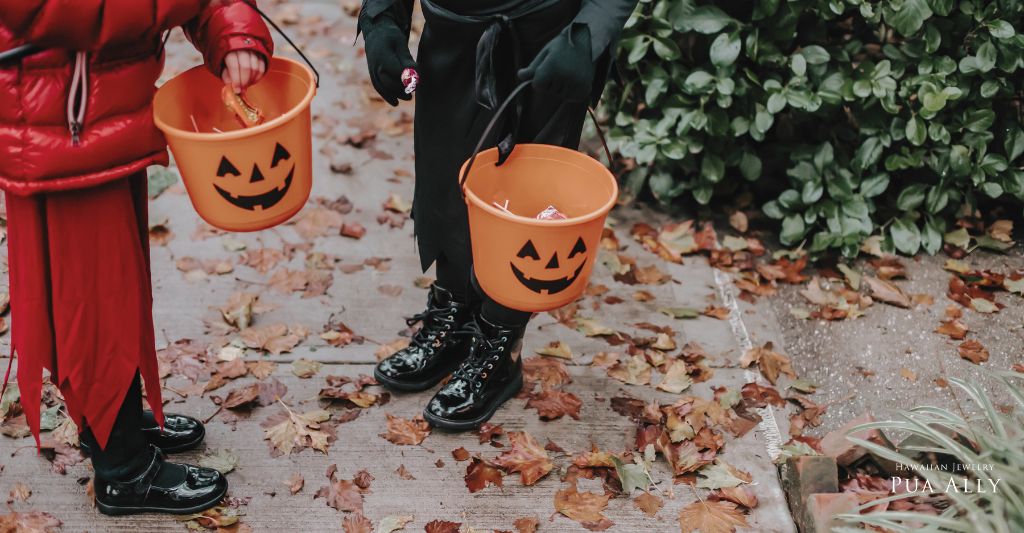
pixel 523 262
pixel 241 179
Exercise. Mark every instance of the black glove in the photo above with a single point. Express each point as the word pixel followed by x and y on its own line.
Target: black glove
pixel 387 55
pixel 564 68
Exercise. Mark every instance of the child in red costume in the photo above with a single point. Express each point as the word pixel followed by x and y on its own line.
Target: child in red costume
pixel 76 136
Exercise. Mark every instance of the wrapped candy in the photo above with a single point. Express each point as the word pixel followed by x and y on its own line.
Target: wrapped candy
pixel 410 79
pixel 247 114
pixel 551 213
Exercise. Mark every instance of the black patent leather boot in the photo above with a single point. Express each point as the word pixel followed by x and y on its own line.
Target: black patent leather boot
pixel 491 375
pixel 179 434
pixel 434 351
pixel 162 487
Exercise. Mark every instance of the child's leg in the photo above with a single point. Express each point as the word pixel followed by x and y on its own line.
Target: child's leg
pixel 125 454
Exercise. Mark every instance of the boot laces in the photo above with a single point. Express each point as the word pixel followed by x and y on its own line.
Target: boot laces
pixel 437 321
pixel 484 353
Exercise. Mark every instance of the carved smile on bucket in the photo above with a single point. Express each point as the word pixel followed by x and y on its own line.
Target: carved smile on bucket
pixel 548 285
pixel 243 198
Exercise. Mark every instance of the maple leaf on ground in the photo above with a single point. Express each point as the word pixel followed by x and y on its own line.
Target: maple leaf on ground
pixel 711 517
pixel 583 507
pixel 406 432
pixel 721 313
pixel 442 526
pixel 721 474
pixel 741 495
pixel 60 456
pixel 31 522
pixel 489 432
pixel 305 368
pixel 648 503
pixel 552 405
pixel 887 292
pixel 677 378
pixel 479 473
pixel 759 396
pixel 341 494
pixel 274 338
pixel 636 371
pixel 356 523
pixel 973 351
pixel 289 430
pixel 770 362
pixel 550 373
pixel 526 456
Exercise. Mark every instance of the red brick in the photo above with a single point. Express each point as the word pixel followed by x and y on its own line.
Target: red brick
pixel 821 509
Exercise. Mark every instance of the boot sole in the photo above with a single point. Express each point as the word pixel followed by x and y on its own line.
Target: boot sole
pixel 510 391
pixel 113 510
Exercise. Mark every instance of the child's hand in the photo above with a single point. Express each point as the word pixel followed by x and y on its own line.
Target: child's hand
pixel 243 68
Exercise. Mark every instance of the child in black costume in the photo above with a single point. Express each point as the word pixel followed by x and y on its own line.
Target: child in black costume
pixel 472 54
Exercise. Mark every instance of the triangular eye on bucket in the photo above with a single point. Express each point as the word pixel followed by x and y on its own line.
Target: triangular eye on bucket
pixel 280 154
pixel 226 168
pixel 579 248
pixel 528 250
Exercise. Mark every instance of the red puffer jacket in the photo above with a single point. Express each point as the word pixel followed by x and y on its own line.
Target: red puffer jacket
pixel 78 113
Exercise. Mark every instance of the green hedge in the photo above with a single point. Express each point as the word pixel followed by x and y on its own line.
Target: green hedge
pixel 851 118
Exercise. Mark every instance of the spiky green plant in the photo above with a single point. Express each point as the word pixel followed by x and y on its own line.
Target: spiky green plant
pixel 995 439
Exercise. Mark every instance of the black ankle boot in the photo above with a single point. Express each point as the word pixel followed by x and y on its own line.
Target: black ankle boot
pixel 434 351
pixel 180 433
pixel 491 374
pixel 162 487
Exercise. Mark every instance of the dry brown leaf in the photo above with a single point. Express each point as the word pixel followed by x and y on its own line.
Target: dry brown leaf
pixel 479 473
pixel 295 483
pixel 552 405
pixel 19 493
pixel 887 292
pixel 973 351
pixel 583 507
pixel 711 517
pixel 556 349
pixel 442 526
pixel 526 456
pixel 741 495
pixel 636 371
pixel 526 524
pixel 356 523
pixel 406 432
pixel 550 373
pixel 954 329
pixel 31 522
pixel 648 503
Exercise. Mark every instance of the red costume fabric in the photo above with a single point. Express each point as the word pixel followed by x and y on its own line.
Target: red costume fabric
pixel 75 118
pixel 122 42
pixel 81 299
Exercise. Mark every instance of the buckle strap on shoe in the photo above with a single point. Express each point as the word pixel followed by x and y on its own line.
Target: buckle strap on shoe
pixel 142 483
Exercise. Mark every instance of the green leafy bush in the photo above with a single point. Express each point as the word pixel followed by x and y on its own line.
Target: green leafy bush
pixel 850 118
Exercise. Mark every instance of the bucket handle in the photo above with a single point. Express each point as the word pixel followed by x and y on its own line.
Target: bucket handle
pixel 252 4
pixel 497 115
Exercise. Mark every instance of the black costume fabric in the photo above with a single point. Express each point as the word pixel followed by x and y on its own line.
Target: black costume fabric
pixel 127 452
pixel 468 63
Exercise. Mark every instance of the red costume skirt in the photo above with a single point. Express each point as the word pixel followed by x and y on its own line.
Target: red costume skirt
pixel 81 299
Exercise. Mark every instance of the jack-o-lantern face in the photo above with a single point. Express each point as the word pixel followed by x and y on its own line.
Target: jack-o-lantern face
pixel 252 193
pixel 556 275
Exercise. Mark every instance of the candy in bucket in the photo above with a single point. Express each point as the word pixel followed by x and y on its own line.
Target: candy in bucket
pixel 549 213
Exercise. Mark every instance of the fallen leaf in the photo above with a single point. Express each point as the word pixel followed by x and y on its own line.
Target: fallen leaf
pixel 973 351
pixel 680 312
pixel 341 494
pixel 592 328
pixel 406 432
pixel 404 473
pixel 31 522
pixel 526 456
pixel 460 454
pixel 526 524
pixel 550 373
pixel 741 495
pixel 887 292
pixel 442 526
pixel 636 371
pixel 556 349
pixel 20 492
pixel 392 523
pixel 953 328
pixel 223 461
pixel 908 374
pixel 711 517
pixel 738 221
pixel 583 507
pixel 721 313
pixel 648 503
pixel 290 430
pixel 721 474
pixel 305 368
pixel 771 363
pixel 552 405
pixel 1001 230
pixel 677 378
pixel 295 483
pixel 479 473
pixel 356 523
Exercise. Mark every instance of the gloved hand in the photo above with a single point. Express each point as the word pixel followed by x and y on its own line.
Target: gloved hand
pixel 564 68
pixel 387 55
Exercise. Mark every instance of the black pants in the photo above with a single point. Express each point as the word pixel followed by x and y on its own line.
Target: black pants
pixel 127 452
pixel 450 121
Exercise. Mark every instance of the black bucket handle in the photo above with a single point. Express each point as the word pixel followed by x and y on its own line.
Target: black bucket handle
pixel 494 120
pixel 274 25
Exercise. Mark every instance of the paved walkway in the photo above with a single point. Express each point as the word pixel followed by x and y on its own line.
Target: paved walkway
pixel 365 155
